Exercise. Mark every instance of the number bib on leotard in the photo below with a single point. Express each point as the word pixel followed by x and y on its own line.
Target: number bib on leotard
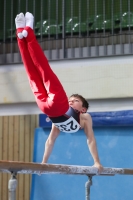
pixel 69 126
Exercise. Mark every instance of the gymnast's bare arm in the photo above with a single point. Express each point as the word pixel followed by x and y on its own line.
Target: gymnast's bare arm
pixel 50 143
pixel 86 123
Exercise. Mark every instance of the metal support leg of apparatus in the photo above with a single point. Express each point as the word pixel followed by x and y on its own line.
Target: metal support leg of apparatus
pixel 12 184
pixel 87 188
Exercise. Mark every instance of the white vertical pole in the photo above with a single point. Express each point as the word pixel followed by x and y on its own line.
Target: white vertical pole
pixel 12 184
pixel 87 188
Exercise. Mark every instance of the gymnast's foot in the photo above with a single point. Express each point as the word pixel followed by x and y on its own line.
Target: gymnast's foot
pixel 29 19
pixel 20 23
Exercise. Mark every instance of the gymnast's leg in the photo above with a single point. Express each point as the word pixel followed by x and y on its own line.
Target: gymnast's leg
pixel 34 77
pixel 50 95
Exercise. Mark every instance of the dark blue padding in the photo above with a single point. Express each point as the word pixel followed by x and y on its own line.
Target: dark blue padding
pixel 114 118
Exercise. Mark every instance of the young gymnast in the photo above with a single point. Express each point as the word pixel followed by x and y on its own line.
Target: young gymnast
pixel 67 115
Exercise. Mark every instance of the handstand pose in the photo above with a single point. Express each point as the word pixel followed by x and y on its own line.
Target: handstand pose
pixel 66 115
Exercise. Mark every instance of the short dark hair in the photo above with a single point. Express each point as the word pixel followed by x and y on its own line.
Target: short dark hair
pixel 84 101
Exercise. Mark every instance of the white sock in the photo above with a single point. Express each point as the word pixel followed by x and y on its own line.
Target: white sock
pixel 20 36
pixel 24 33
pixel 20 21
pixel 29 18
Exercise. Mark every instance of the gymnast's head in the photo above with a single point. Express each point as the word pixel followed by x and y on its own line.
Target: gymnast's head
pixel 78 102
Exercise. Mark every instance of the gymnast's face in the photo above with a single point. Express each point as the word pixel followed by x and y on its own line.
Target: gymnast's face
pixel 76 104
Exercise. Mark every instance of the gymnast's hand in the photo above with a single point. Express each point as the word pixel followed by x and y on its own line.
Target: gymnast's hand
pixel 98 166
pixel 40 173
